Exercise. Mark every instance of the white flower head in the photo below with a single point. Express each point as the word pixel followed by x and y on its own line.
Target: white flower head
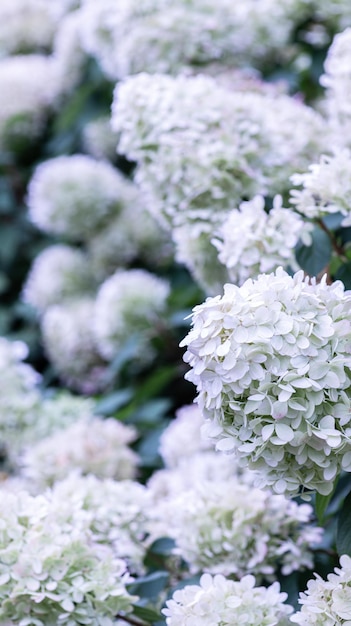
pixel 183 438
pixel 74 195
pixel 115 512
pixel 337 80
pixel 270 361
pixel 327 602
pixel 217 601
pixel 90 445
pixel 150 35
pixel 128 302
pixel 28 93
pixel 58 273
pixel 326 187
pixel 228 527
pixel 26 26
pixel 70 344
pixel 251 241
pixel 55 573
pixel 197 163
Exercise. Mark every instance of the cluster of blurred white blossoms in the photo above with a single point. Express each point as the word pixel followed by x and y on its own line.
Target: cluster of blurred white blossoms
pixel 326 187
pixel 143 35
pixel 217 601
pixel 98 138
pixel 27 415
pixel 69 58
pixel 271 362
pixel 197 163
pixel 252 241
pixel 116 513
pixel 190 459
pixel 230 528
pixel 327 603
pixel 130 302
pixel 90 445
pixel 26 26
pixel 70 344
pixel 182 437
pixel 134 235
pixel 53 573
pixel 337 80
pixel 74 195
pixel 28 92
pixel 58 273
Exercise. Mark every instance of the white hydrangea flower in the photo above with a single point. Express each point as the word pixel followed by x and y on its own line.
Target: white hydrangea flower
pixel 117 513
pixel 53 574
pixel 128 302
pixel 58 273
pixel 251 241
pixel 337 80
pixel 70 345
pixel 217 601
pixel 271 364
pixel 28 92
pixel 326 187
pixel 99 140
pixel 197 163
pixel 183 438
pixel 195 249
pixel 327 602
pixel 127 239
pixel 74 195
pixel 68 56
pixel 230 528
pixel 149 35
pixel 25 415
pixel 90 445
pixel 26 26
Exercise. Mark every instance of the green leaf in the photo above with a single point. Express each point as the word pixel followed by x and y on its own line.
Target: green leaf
pixel 322 502
pixel 147 615
pixel 343 533
pixel 163 546
pixel 113 402
pixel 344 274
pixel 150 586
pixel 315 258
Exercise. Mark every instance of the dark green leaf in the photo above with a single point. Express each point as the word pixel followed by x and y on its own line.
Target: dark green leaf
pixel 344 274
pixel 314 258
pixel 113 402
pixel 343 534
pixel 150 586
pixel 163 546
pixel 322 502
pixel 147 615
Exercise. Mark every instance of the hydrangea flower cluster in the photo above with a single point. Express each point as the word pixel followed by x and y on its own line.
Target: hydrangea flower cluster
pixel 337 80
pixel 327 603
pixel 90 445
pixel 116 513
pixel 271 363
pixel 227 527
pixel 52 574
pixel 25 26
pixel 182 438
pixel 128 38
pixel 59 273
pixel 129 302
pixel 125 240
pixel 70 344
pixel 68 56
pixel 28 92
pixel 74 195
pixel 197 163
pixel 326 187
pixel 251 241
pixel 217 601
